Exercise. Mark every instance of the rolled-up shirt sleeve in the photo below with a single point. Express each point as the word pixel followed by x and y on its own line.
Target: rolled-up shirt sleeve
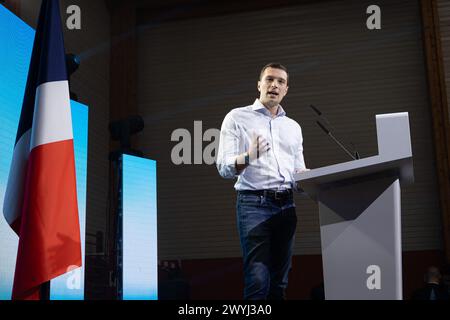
pixel 228 148
pixel 299 161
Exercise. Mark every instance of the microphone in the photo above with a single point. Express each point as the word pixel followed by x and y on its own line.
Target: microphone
pixel 319 113
pixel 354 156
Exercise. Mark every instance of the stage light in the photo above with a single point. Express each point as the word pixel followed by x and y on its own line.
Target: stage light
pixel 122 130
pixel 72 64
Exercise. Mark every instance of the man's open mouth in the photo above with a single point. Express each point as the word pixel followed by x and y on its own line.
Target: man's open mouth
pixel 274 93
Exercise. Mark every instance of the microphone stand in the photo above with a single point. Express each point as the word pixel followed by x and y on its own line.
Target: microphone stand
pixel 328 132
pixel 354 156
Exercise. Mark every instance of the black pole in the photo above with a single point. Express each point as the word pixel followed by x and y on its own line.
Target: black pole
pixel 45 291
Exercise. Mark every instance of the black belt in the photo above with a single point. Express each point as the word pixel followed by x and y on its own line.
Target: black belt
pixel 275 194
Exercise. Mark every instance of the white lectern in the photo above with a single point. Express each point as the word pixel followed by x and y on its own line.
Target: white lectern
pixel 360 215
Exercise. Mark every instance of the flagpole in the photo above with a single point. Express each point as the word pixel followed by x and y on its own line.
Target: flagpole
pixel 45 291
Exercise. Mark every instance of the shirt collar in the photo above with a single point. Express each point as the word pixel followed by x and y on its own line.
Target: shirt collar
pixel 259 107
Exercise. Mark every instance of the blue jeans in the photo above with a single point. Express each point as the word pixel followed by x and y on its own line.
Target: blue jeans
pixel 266 229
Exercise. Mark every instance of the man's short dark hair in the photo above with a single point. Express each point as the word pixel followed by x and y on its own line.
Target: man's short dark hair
pixel 274 65
pixel 432 273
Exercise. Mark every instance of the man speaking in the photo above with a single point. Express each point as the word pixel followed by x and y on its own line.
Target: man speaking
pixel 263 148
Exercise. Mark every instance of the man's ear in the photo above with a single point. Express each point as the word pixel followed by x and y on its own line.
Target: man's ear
pixel 287 88
pixel 259 86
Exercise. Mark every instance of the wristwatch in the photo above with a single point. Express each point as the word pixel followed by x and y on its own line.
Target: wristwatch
pixel 247 158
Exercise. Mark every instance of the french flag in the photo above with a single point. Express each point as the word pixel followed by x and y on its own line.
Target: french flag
pixel 40 201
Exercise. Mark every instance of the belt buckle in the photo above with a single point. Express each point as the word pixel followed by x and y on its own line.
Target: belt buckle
pixel 278 193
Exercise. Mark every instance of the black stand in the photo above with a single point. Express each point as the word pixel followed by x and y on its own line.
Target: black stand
pixel 45 291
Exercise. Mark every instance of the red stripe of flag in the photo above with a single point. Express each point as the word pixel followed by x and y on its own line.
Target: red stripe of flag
pixel 49 240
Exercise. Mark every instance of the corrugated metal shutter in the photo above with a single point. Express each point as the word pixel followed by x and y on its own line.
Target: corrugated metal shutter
pixel 199 69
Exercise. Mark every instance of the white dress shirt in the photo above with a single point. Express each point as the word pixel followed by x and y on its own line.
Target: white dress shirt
pixel 275 168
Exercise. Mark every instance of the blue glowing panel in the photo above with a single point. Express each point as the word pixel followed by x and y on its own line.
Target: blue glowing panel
pixel 139 223
pixel 16 43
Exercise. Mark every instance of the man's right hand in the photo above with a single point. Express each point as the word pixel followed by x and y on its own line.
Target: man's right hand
pixel 258 146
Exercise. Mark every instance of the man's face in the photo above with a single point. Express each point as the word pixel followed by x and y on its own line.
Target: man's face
pixel 272 87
